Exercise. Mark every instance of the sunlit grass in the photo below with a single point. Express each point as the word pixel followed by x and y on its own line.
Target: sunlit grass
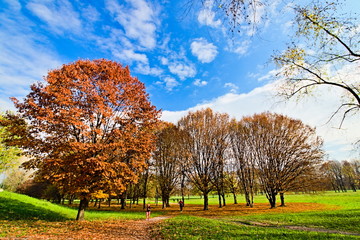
pixel 20 216
pixel 189 227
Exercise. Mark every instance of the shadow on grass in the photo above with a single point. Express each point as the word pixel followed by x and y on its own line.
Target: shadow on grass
pixel 17 210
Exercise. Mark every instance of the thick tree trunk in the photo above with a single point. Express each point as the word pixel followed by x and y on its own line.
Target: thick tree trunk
pixel 206 201
pixel 249 199
pixel 163 202
pixel 81 211
pixel 272 200
pixel 123 202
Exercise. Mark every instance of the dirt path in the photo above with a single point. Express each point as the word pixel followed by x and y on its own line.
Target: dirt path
pixel 298 228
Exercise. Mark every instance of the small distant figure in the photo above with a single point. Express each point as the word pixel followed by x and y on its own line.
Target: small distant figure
pixel 148 211
pixel 181 204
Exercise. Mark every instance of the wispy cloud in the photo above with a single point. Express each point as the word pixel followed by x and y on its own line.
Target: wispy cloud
pixel 182 70
pixel 239 47
pixel 203 50
pixel 206 15
pixel 24 56
pixel 170 83
pixel 233 87
pixel 139 21
pixel 59 15
pixel 145 69
pixel 200 83
pixel 128 55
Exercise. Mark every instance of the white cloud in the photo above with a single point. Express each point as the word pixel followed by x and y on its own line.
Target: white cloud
pixel 145 69
pixel 233 87
pixel 240 48
pixel 59 15
pixel 204 51
pixel 206 16
pixel 139 21
pixel 164 61
pixel 128 55
pixel 170 83
pixel 270 76
pixel 182 70
pixel 24 57
pixel 200 83
pixel 312 111
pixel 90 14
pixel 13 4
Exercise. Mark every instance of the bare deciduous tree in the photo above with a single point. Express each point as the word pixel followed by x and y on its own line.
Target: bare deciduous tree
pixel 284 149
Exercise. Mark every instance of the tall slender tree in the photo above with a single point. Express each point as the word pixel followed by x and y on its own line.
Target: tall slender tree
pixel 243 156
pixel 167 159
pixel 203 146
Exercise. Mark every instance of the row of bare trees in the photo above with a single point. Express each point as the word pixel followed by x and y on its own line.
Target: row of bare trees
pixel 266 152
pixel 342 176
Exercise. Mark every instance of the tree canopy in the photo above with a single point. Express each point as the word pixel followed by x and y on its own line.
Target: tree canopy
pixel 89 128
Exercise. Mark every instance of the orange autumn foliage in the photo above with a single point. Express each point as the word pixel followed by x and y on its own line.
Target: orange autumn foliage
pixel 90 127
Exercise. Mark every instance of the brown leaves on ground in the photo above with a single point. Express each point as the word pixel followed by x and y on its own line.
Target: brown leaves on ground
pixel 114 229
pixel 139 229
pixel 241 209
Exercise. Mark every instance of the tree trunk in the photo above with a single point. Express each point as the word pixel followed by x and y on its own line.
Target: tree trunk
pixel 282 199
pixel 219 195
pixel 206 201
pixel 272 200
pixel 123 202
pixel 167 201
pixel 223 197
pixel 163 202
pixel 235 199
pixel 182 186
pixel 144 202
pixel 81 211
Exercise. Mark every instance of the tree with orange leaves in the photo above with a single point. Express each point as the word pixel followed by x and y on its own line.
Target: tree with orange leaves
pixel 89 128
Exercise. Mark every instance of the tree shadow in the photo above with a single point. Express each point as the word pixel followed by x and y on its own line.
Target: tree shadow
pixel 12 210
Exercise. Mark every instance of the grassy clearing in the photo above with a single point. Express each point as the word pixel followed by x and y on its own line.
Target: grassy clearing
pixel 190 227
pixel 345 218
pixel 333 211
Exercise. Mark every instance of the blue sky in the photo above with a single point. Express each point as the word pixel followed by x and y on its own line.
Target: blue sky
pixel 187 59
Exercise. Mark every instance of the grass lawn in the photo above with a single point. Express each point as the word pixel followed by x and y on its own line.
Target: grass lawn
pixel 190 227
pixel 345 218
pixel 22 216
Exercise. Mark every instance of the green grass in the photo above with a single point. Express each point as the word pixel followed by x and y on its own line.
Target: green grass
pixel 25 214
pixel 344 199
pixel 21 207
pixel 15 206
pixel 189 227
pixel 345 219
